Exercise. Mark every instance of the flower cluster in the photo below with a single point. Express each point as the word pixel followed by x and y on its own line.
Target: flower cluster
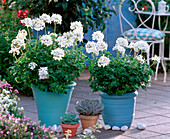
pixel 46 40
pixel 39 23
pixel 19 42
pixel 22 14
pixel 32 65
pixel 9 100
pixel 57 54
pixel 43 73
pixel 13 127
pixel 103 61
pixel 93 47
pixel 70 38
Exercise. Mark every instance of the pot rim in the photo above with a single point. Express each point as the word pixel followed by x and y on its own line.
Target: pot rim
pixel 69 125
pixel 88 116
pixel 126 95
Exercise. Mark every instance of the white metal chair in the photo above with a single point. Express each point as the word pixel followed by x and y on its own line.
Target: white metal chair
pixel 148 34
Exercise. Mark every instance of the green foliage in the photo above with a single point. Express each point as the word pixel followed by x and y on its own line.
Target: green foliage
pixel 89 107
pixel 8 30
pixel 122 75
pixel 91 13
pixel 69 119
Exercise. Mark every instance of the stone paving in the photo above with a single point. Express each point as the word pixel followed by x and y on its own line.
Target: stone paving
pixel 152 109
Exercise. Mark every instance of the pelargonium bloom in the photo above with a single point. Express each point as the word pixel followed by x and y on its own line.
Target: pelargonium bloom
pixel 76 25
pixel 103 61
pixel 27 21
pixel 43 73
pixel 142 45
pixel 120 49
pixel 156 58
pixel 46 18
pixel 98 36
pixel 140 58
pixel 58 54
pixel 101 46
pixel 38 24
pixel 46 39
pixel 122 42
pixel 56 18
pixel 32 65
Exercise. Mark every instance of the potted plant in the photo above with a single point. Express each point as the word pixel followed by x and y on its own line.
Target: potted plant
pixel 69 122
pixel 89 111
pixel 49 65
pixel 118 78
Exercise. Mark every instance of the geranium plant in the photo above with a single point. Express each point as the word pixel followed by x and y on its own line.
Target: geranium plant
pixel 119 75
pixel 52 61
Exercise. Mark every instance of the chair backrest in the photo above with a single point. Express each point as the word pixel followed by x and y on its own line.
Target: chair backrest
pixel 136 9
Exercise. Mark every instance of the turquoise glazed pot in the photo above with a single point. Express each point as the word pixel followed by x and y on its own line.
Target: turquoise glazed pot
pixel 51 105
pixel 118 110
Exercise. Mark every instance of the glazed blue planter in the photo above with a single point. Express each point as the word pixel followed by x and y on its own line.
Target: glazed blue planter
pixel 51 105
pixel 118 110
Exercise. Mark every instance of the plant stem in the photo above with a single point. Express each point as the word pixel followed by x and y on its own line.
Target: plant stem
pixel 54 27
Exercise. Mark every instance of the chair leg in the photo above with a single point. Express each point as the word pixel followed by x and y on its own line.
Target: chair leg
pixel 149 85
pixel 162 62
pixel 157 66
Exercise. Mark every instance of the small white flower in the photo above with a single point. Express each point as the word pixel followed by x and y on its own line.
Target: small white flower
pixel 101 46
pixel 32 65
pixel 76 25
pixel 91 47
pixel 58 54
pixel 103 61
pixel 131 45
pixel 27 21
pixel 46 39
pixel 156 58
pixel 98 36
pixel 21 34
pixel 66 40
pixel 120 49
pixel 14 50
pixel 122 42
pixel 140 58
pixel 78 35
pixel 38 24
pixel 56 18
pixel 142 45
pixel 43 73
pixel 46 18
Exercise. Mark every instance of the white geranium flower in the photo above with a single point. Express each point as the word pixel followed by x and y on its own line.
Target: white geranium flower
pixel 142 45
pixel 66 40
pixel 43 73
pixel 76 25
pixel 46 18
pixel 58 54
pixel 120 49
pixel 78 35
pixel 131 45
pixel 38 24
pixel 156 58
pixel 140 58
pixel 122 42
pixel 101 46
pixel 14 50
pixel 32 65
pixel 21 34
pixel 46 39
pixel 103 61
pixel 91 47
pixel 56 18
pixel 27 21
pixel 98 36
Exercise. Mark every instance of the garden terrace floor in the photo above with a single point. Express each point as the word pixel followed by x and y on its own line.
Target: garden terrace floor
pixel 152 109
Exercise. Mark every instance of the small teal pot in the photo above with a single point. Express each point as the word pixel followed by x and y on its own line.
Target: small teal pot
pixel 51 105
pixel 118 110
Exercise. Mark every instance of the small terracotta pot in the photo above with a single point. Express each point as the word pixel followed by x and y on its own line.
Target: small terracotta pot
pixel 88 121
pixel 73 128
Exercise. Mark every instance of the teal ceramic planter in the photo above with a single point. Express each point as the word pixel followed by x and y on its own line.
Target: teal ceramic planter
pixel 51 105
pixel 118 110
